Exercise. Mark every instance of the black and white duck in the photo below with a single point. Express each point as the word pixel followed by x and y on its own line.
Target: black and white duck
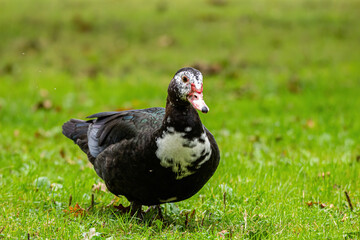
pixel 155 155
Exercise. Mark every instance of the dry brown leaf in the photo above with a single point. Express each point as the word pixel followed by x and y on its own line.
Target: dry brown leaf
pixel 43 104
pixel 37 134
pixel 16 132
pixel 62 153
pixel 100 186
pixel 294 84
pixel 321 205
pixel 81 24
pixel 75 211
pixel 310 123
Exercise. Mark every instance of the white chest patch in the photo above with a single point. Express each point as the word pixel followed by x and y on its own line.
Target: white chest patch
pixel 179 153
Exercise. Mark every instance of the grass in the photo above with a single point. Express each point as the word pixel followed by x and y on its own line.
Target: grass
pixel 284 108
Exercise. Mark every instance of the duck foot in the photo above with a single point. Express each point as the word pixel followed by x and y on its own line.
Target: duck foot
pixel 134 210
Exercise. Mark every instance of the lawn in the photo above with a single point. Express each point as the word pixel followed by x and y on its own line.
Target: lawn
pixel 281 79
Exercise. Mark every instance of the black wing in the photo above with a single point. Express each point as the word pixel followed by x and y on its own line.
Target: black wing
pixel 113 127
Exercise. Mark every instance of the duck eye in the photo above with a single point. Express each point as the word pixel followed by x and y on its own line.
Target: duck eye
pixel 185 79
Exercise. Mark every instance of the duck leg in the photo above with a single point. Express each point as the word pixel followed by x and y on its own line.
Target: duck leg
pixel 160 215
pixel 135 210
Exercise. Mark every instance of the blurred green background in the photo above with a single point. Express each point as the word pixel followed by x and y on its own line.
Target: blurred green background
pixel 281 78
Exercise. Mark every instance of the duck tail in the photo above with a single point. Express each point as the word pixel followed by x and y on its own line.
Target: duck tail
pixel 76 129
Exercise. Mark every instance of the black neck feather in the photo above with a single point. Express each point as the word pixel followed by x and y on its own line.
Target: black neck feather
pixel 182 116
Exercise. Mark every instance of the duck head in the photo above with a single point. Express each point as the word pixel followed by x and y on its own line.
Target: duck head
pixel 187 87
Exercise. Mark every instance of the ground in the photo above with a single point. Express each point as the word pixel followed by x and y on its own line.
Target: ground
pixel 281 79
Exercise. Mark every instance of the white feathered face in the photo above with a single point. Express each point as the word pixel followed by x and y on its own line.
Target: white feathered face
pixel 189 86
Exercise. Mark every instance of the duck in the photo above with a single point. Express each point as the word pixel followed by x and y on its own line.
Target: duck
pixel 156 155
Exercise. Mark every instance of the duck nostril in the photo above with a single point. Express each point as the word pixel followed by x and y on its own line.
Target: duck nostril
pixel 195 96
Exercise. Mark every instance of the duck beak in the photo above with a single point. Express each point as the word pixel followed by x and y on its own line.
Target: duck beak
pixel 196 99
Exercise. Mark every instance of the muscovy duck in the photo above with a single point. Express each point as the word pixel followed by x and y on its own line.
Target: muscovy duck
pixel 155 155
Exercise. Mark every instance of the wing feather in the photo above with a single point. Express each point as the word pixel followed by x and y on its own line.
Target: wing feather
pixel 113 127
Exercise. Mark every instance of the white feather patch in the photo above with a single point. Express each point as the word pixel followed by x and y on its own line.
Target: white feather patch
pixel 179 153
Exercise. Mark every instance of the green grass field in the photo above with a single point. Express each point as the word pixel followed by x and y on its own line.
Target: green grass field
pixel 281 78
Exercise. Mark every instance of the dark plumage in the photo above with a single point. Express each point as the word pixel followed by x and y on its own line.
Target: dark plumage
pixel 154 155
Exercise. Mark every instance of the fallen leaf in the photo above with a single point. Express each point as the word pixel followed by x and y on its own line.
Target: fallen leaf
pixel 16 132
pixel 45 104
pixel 321 205
pixel 37 134
pixel 294 84
pixel 62 153
pixel 81 24
pixel 100 186
pixel 310 123
pixel 75 211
